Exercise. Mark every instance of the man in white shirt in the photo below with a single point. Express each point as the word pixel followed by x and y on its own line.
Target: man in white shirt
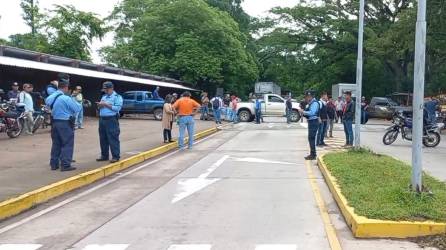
pixel 26 100
pixel 217 105
pixel 339 108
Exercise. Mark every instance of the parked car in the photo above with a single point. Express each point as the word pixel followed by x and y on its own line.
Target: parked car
pixel 142 102
pixel 384 107
pixel 272 105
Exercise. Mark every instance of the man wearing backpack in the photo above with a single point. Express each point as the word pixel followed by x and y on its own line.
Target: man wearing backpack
pixel 217 104
pixel 323 115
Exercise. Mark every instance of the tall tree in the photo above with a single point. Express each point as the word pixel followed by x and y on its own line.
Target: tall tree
pixel 71 31
pixel 183 39
pixel 31 14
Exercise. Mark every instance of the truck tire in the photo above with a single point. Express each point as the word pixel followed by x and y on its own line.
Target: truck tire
pixel 244 116
pixel 295 116
pixel 158 114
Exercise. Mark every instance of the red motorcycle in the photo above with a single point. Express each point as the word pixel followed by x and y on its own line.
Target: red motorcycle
pixel 10 121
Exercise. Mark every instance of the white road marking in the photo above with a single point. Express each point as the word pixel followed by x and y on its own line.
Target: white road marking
pixel 276 247
pixel 107 247
pixel 20 246
pixel 89 191
pixel 257 160
pixel 190 247
pixel 188 187
pixel 305 125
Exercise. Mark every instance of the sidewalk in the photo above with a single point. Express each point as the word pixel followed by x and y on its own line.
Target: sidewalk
pixel 24 165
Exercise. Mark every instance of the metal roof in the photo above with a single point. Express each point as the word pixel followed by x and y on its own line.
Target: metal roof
pixel 17 57
pixel 9 61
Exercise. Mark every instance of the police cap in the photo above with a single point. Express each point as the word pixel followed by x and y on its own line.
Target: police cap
pixel 64 83
pixel 309 93
pixel 107 85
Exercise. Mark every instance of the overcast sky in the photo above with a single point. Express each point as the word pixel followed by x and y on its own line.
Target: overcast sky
pixel 11 20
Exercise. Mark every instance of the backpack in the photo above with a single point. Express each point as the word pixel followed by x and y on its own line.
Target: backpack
pixel 216 103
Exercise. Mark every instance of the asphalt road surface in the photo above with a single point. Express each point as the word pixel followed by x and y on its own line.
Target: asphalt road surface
pixel 246 187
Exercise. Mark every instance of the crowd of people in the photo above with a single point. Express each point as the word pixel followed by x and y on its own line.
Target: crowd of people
pixel 322 114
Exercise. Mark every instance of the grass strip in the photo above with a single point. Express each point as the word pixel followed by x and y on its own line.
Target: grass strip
pixel 377 187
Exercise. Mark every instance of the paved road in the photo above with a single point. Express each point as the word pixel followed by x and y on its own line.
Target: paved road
pixel 25 160
pixel 247 187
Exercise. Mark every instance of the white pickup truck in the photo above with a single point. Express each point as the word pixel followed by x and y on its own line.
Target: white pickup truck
pixel 272 105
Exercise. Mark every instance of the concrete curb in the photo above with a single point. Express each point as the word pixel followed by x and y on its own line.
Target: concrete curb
pixel 28 200
pixel 363 227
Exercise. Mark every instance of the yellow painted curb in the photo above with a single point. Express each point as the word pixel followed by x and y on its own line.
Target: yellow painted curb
pixel 26 201
pixel 363 227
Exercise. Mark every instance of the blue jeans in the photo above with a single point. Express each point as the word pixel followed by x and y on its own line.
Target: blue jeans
pixel 217 115
pixel 204 112
pixel 348 129
pixel 234 116
pixel 62 135
pixel 109 137
pixel 258 115
pixel 288 115
pixel 186 122
pixel 321 132
pixel 313 126
pixel 79 118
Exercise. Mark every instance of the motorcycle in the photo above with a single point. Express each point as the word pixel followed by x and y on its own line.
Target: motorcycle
pixel 42 118
pixel 403 124
pixel 11 120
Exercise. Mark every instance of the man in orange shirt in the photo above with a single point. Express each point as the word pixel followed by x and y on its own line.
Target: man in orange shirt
pixel 186 109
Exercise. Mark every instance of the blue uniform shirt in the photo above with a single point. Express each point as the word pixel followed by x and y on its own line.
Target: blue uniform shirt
pixel 64 106
pixel 51 90
pixel 115 100
pixel 313 110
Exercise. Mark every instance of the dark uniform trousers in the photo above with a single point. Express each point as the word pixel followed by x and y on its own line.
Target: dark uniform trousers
pixel 313 126
pixel 62 134
pixel 109 137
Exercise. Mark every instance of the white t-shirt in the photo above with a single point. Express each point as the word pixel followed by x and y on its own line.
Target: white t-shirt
pixel 26 99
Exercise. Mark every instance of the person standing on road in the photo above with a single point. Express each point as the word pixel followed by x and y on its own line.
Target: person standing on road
pixel 288 109
pixel 258 109
pixel 186 108
pixel 204 106
pixel 79 98
pixel 348 117
pixel 339 109
pixel 109 107
pixel 233 106
pixel 63 108
pixel 312 115
pixel 323 115
pixel 168 117
pixel 364 107
pixel 331 112
pixel 26 100
pixel 14 92
pixel 156 94
pixel 217 104
pixel 431 106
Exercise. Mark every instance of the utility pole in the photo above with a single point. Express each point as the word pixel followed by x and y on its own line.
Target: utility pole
pixel 359 66
pixel 418 98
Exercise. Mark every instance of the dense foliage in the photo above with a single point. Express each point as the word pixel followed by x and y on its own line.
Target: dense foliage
pixel 183 39
pixel 215 43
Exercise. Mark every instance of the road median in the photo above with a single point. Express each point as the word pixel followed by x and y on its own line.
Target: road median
pixel 14 206
pixel 372 192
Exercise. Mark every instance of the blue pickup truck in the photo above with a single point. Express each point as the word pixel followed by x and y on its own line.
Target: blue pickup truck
pixel 142 102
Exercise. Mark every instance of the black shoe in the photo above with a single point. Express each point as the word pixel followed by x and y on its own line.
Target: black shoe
pixel 67 169
pixel 310 158
pixel 101 159
pixel 323 145
pixel 55 168
pixel 114 160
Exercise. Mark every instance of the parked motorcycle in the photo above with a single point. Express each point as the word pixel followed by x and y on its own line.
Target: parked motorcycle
pixel 403 124
pixel 42 118
pixel 10 120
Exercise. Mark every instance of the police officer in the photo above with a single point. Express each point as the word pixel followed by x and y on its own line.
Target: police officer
pixel 312 114
pixel 62 132
pixel 109 107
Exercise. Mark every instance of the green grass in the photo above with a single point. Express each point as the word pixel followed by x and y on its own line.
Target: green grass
pixel 377 187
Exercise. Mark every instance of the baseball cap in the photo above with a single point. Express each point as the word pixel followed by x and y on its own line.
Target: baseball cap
pixel 64 83
pixel 107 85
pixel 309 93
pixel 15 84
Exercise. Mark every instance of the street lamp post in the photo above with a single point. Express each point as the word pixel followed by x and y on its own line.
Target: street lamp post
pixel 418 97
pixel 359 66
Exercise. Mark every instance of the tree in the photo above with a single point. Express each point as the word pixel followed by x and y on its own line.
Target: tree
pixel 31 14
pixel 70 32
pixel 183 39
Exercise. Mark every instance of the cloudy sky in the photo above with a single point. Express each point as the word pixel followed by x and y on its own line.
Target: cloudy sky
pixel 11 20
